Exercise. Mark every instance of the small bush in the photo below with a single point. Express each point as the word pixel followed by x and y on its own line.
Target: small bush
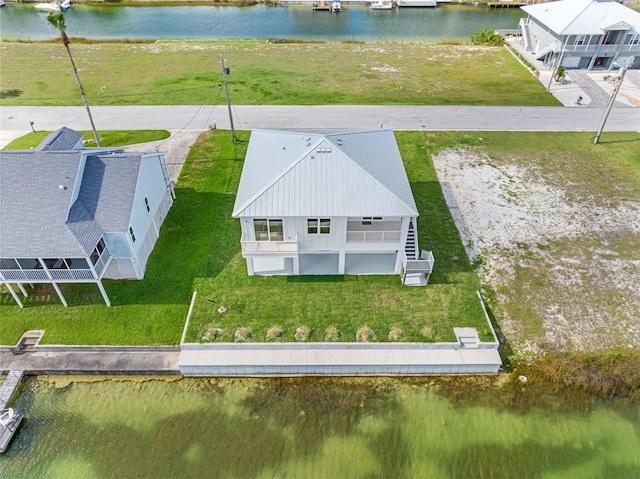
pixel 428 333
pixel 274 333
pixel 450 41
pixel 242 335
pixel 302 334
pixel 396 334
pixel 559 74
pixel 365 334
pixel 487 37
pixel 332 334
pixel 211 334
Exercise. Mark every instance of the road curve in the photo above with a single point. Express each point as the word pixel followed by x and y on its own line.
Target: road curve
pixel 478 118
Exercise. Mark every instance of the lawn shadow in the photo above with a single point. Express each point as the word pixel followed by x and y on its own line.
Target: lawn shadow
pixel 438 233
pixel 505 349
pixel 334 278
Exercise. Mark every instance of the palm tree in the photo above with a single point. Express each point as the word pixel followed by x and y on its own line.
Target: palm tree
pixel 57 20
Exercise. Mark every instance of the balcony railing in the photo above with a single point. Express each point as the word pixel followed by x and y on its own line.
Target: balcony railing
pixel 39 275
pixel 592 48
pixel 270 247
pixel 422 265
pixel 374 236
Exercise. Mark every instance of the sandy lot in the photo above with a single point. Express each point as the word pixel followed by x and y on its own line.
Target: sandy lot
pixel 565 267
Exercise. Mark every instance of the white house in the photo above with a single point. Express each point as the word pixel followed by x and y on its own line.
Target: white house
pixel 586 34
pixel 73 215
pixel 328 203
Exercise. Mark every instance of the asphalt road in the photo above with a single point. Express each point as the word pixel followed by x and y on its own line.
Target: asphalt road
pixel 479 118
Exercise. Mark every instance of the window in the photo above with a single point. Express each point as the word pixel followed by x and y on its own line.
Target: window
pixel 634 39
pixel 367 220
pixel 268 230
pixel 97 251
pixel 580 39
pixel 8 263
pixel 132 234
pixel 55 263
pixel 77 263
pixel 319 226
pixel 146 204
pixel 29 263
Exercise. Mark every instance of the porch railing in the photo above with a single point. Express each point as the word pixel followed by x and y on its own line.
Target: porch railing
pixel 269 247
pixel 39 275
pixel 374 236
pixel 422 265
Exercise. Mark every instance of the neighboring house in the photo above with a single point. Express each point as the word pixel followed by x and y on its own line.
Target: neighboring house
pixel 586 34
pixel 328 203
pixel 71 214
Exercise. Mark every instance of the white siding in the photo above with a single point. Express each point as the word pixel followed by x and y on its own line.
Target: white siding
pixel 151 184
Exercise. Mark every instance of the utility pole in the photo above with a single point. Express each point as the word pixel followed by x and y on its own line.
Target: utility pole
pixel 225 72
pixel 612 101
pixel 557 63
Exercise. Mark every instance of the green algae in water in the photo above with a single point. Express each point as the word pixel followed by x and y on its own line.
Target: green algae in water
pixel 306 428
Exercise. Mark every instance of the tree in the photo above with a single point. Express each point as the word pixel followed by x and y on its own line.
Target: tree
pixel 559 74
pixel 57 20
pixel 487 37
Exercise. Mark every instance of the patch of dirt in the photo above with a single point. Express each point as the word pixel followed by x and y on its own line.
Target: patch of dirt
pixel 563 265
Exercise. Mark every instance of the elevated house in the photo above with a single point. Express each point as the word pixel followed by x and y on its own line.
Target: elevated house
pixel 76 215
pixel 328 203
pixel 585 34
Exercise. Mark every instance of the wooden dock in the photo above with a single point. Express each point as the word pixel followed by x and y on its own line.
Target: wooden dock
pixel 507 4
pixel 9 386
pixel 322 5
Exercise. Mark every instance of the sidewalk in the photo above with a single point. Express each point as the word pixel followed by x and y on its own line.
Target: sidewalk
pixel 93 360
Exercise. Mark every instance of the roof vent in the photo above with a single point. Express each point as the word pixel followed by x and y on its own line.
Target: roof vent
pixel 62 187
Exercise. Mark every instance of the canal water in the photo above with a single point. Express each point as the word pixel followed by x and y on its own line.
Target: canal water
pixel 128 427
pixel 360 23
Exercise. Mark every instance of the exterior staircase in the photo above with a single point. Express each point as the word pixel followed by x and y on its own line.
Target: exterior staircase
pixel 411 245
pixel 417 277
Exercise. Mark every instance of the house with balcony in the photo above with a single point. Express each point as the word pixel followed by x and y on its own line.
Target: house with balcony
pixel 585 34
pixel 328 203
pixel 76 215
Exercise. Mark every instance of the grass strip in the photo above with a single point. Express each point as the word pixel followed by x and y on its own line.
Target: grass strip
pixel 108 138
pixel 188 73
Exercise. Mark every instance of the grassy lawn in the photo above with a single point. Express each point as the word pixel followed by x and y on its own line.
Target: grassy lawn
pixel 199 248
pixel 107 138
pixel 345 302
pixel 268 74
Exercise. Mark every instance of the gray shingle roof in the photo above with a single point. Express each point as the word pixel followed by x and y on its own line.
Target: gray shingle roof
pixel 36 189
pixel 64 139
pixel 350 173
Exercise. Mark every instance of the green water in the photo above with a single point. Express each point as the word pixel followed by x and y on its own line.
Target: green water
pixel 310 428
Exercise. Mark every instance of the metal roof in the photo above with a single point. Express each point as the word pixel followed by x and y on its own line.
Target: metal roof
pixel 64 139
pixel 36 189
pixel 350 173
pixel 585 17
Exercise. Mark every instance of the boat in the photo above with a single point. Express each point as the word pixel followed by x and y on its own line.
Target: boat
pixel 336 6
pixel 53 6
pixel 381 5
pixel 6 417
pixel 417 3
